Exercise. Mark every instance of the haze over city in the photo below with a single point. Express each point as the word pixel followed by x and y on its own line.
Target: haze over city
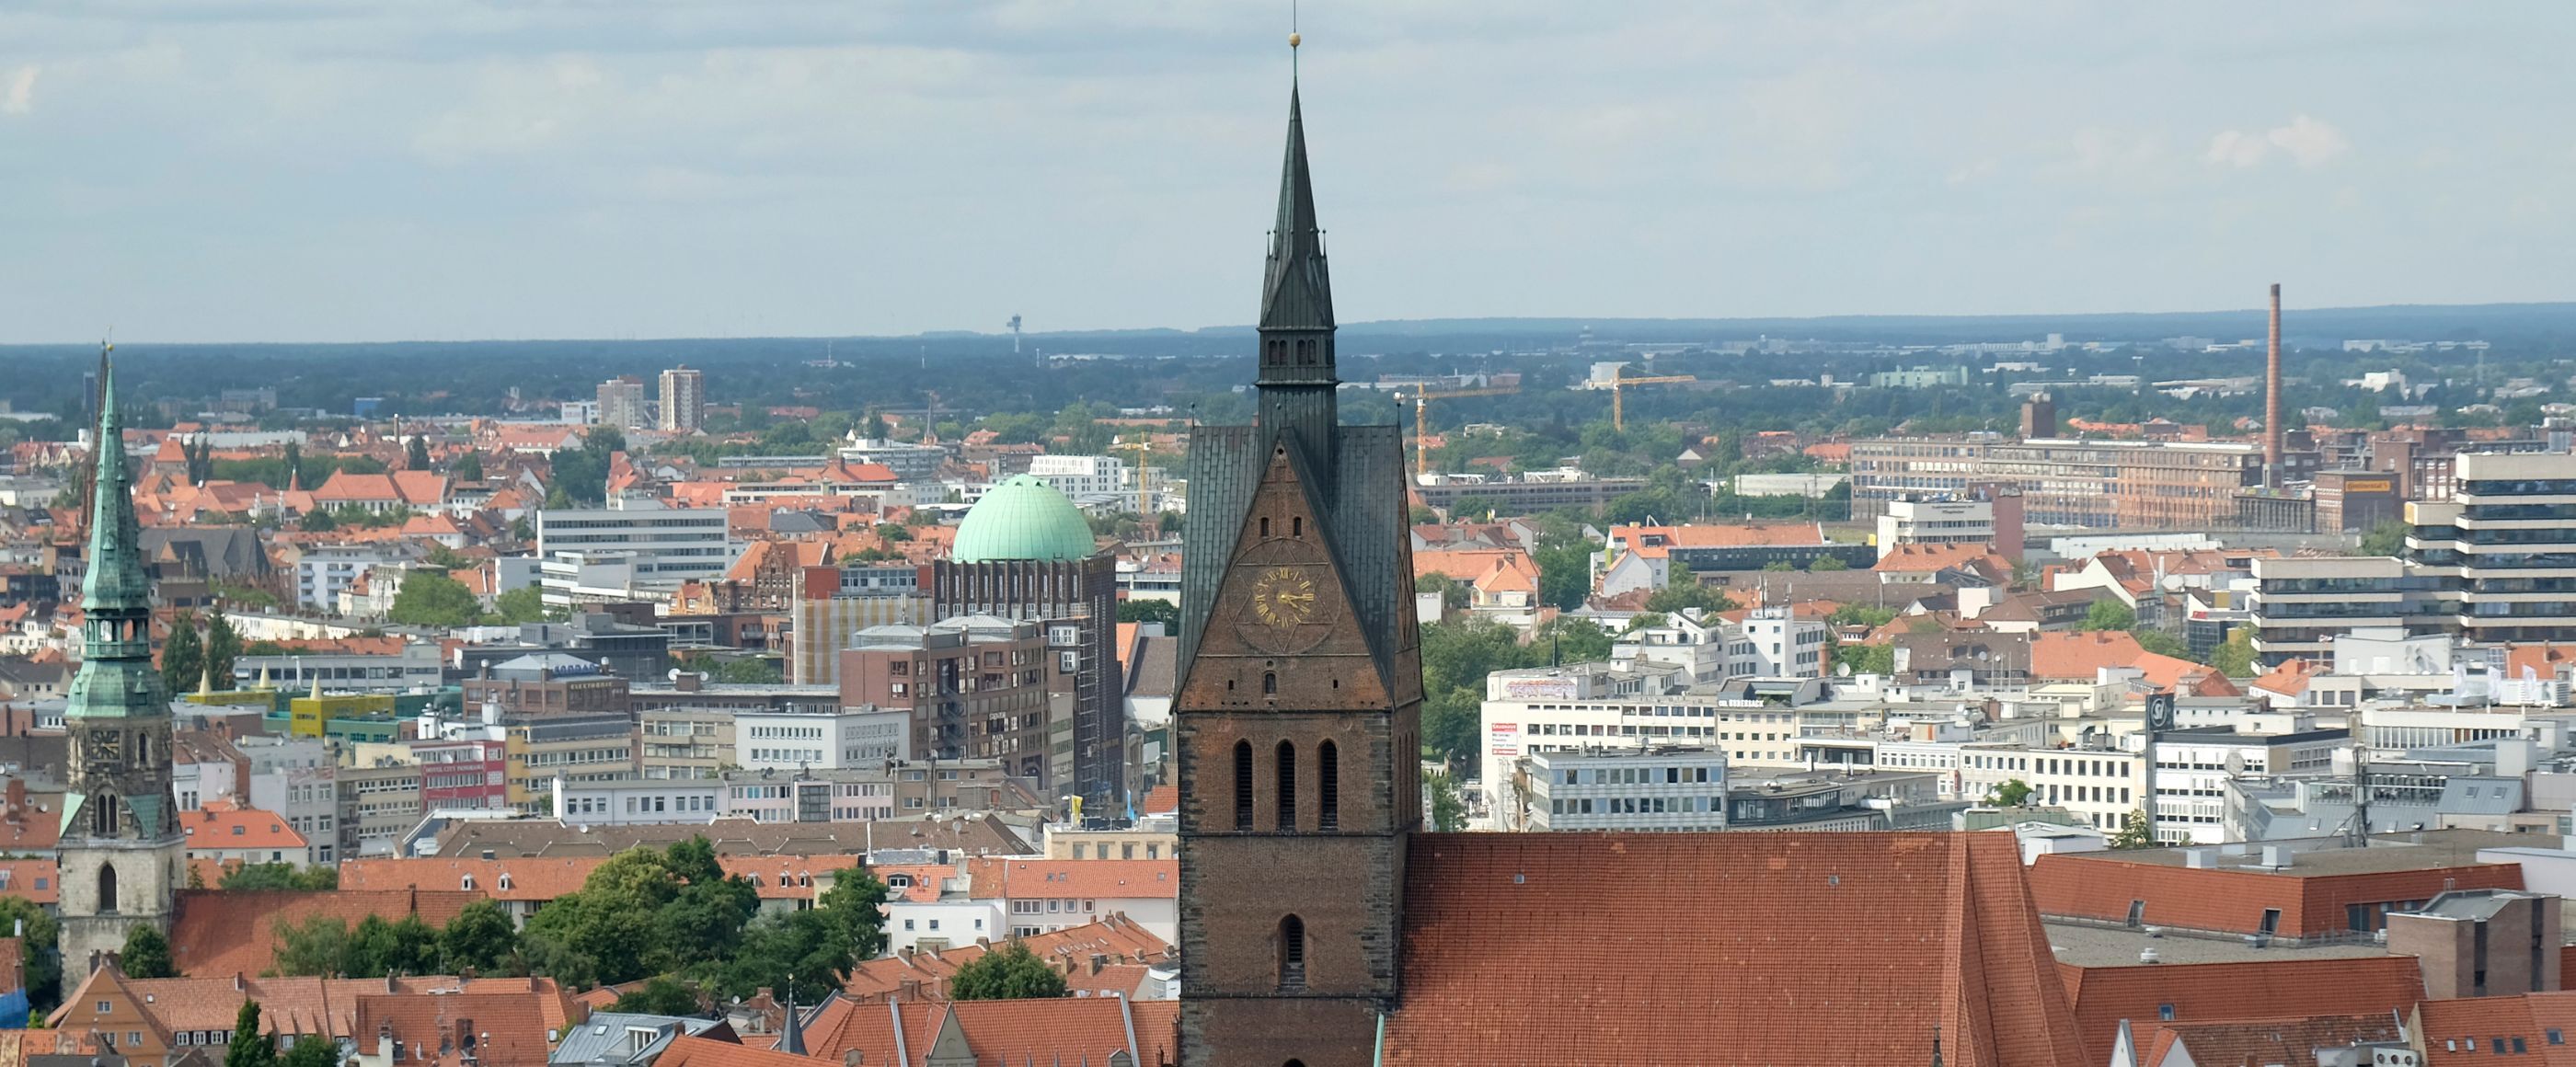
pixel 297 170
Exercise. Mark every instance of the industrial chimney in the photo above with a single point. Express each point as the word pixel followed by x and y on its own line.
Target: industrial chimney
pixel 2272 399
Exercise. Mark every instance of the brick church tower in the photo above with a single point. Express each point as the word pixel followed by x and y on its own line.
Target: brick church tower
pixel 122 854
pixel 1297 720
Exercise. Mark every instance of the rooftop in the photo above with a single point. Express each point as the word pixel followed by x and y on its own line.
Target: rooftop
pixel 1023 518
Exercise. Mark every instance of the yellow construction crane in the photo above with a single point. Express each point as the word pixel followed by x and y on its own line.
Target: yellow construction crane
pixel 1422 417
pixel 1618 413
pixel 1144 496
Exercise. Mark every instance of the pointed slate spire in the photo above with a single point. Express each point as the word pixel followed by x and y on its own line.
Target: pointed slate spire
pixel 791 1039
pixel 1297 380
pixel 1296 289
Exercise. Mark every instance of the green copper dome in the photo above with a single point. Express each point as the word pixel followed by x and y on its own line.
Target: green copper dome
pixel 1022 518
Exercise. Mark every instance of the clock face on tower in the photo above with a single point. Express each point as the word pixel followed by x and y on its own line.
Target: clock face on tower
pixel 1288 606
pixel 1283 596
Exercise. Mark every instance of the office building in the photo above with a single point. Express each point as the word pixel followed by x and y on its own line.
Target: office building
pixel 975 686
pixel 2127 485
pixel 1668 789
pixel 660 548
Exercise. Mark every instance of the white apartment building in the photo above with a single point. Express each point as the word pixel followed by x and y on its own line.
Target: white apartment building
pixel 633 802
pixel 2101 786
pixel 1772 643
pixel 684 399
pixel 1935 522
pixel 663 546
pixel 1600 706
pixel 851 737
pixel 1670 789
pixel 325 572
pixel 1081 477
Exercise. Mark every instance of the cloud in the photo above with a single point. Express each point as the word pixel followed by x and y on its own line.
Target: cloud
pixel 19 96
pixel 2308 142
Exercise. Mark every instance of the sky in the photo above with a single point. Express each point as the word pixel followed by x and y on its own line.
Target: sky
pixel 354 170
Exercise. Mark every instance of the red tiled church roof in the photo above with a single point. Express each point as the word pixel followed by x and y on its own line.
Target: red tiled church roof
pixel 1725 948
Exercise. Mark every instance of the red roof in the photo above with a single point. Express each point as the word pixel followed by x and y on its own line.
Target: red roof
pixel 1789 948
pixel 1100 879
pixel 2080 655
pixel 29 878
pixel 1065 1030
pixel 225 931
pixel 2362 985
pixel 2258 1041
pixel 211 829
pixel 2467 1031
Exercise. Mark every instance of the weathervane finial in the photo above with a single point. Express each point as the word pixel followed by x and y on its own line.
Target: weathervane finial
pixel 1293 38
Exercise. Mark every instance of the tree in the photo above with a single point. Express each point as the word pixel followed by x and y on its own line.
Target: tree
pixel 183 656
pixel 481 937
pixel 1828 562
pixel 223 645
pixel 2161 643
pixel 816 946
pixel 659 995
pixel 317 521
pixel 524 604
pixel 431 598
pixel 2109 614
pixel 312 1051
pixel 2012 794
pixel 467 468
pixel 1010 972
pixel 249 1047
pixel 2386 539
pixel 747 670
pixel 254 876
pixel 416 456
pixel 2133 831
pixel 44 960
pixel 1682 591
pixel 2234 657
pixel 1448 809
pixel 1162 611
pixel 1867 659
pixel 1454 594
pixel 318 945
pixel 146 953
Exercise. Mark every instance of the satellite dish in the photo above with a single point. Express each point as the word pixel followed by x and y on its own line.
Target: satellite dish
pixel 2235 763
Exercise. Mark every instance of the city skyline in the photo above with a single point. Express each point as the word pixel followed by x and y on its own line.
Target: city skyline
pixel 285 171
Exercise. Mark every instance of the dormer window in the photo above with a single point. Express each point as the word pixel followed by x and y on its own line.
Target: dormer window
pixel 466 883
pixel 505 881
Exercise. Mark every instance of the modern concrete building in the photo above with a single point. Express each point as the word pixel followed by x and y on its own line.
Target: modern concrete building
pixel 976 686
pixel 2301 603
pixel 2128 485
pixel 663 547
pixel 831 605
pixel 1667 789
pixel 1082 477
pixel 847 737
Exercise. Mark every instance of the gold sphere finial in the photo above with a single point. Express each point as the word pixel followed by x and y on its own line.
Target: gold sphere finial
pixel 1293 40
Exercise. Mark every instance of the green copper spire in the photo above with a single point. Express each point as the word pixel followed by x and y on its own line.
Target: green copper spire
pixel 116 579
pixel 116 679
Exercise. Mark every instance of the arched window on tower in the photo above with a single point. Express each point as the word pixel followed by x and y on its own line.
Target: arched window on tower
pixel 1328 786
pixel 1243 785
pixel 102 815
pixel 1292 953
pixel 1270 683
pixel 1287 786
pixel 107 888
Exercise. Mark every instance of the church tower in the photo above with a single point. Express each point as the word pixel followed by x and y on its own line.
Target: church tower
pixel 122 854
pixel 1296 727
